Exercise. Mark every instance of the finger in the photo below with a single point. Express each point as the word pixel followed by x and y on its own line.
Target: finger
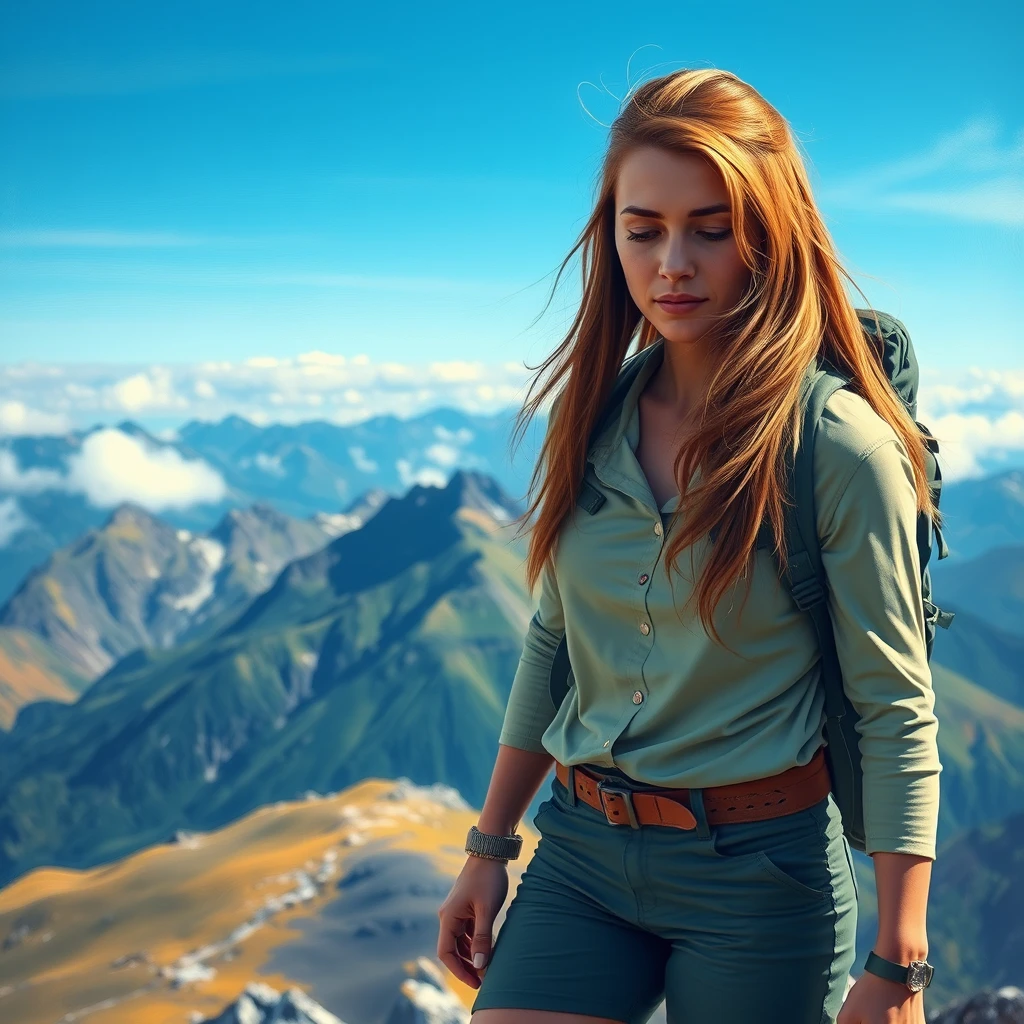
pixel 459 967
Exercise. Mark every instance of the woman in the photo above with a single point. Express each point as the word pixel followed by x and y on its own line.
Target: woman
pixel 705 245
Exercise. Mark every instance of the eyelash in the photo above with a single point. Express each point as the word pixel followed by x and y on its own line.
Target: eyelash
pixel 710 236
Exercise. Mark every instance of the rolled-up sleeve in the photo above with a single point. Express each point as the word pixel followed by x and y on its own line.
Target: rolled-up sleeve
pixel 870 554
pixel 529 711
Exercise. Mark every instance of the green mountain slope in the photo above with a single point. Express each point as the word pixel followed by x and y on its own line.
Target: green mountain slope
pixel 388 653
pixel 31 670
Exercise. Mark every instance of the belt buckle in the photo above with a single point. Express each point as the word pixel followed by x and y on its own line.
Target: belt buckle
pixel 627 799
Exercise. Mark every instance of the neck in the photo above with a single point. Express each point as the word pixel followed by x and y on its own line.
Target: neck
pixel 679 382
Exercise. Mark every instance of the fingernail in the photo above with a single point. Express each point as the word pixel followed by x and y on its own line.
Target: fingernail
pixel 479 959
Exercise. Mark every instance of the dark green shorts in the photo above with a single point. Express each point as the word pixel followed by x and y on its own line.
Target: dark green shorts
pixel 748 921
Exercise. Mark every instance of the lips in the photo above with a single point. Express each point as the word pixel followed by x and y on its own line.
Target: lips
pixel 679 305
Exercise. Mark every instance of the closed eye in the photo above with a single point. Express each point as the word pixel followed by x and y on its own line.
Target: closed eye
pixel 711 236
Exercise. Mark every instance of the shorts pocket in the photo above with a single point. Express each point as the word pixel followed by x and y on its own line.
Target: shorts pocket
pixel 792 851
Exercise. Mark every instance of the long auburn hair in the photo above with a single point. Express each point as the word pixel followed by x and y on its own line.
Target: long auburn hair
pixel 795 309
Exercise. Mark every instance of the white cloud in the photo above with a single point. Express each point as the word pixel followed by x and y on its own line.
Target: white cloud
pixel 457 370
pixel 113 467
pixel 443 454
pixel 16 480
pixel 321 359
pixel 962 439
pixel 153 389
pixel 360 461
pixel 968 174
pixel 12 520
pixel 428 476
pixel 204 389
pixel 461 436
pixel 270 464
pixel 18 418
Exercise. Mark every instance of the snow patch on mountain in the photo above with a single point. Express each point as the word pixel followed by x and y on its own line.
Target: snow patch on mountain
pixel 211 554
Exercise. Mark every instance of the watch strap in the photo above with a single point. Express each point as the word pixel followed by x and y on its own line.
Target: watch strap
pixel 484 844
pixel 916 975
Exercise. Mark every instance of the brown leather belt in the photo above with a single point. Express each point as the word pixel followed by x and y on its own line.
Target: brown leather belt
pixel 792 790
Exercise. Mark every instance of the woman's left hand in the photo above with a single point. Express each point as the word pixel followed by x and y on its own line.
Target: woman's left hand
pixel 875 1000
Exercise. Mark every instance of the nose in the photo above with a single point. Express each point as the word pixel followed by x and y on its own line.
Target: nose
pixel 677 260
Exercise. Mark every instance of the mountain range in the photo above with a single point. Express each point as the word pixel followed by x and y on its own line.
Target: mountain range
pixel 54 489
pixel 386 651
pixel 137 581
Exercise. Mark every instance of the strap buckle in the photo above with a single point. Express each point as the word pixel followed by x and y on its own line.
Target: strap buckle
pixel 627 798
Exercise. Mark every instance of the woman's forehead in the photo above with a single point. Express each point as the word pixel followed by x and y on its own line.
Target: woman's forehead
pixel 683 181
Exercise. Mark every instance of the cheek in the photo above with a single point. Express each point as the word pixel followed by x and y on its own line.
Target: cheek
pixel 732 274
pixel 635 268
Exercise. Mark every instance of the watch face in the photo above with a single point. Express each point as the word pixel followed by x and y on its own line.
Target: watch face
pixel 919 974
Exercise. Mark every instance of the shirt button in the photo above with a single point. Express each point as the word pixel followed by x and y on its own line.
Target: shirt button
pixel 657 528
pixel 644 628
pixel 643 578
pixel 638 697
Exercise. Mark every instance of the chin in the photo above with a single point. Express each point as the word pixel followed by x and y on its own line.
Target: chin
pixel 681 332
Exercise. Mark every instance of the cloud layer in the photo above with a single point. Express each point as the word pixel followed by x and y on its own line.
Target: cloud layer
pixel 263 389
pixel 977 414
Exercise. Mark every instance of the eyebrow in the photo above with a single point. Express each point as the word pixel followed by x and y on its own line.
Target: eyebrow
pixel 703 211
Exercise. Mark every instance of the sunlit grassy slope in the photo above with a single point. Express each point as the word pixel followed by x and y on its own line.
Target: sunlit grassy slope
pixel 168 901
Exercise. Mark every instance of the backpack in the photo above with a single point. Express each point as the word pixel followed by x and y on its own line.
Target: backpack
pixel 806 578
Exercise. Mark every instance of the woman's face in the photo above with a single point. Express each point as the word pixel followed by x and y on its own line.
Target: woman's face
pixel 673 234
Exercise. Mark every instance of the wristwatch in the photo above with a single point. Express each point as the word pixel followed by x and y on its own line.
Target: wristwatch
pixel 916 975
pixel 483 844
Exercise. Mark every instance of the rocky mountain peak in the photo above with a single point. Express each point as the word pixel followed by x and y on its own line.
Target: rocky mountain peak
pixel 130 514
pixel 466 488
pixel 261 1004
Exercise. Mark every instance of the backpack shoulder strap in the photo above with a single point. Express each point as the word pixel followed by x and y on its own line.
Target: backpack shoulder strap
pixel 806 572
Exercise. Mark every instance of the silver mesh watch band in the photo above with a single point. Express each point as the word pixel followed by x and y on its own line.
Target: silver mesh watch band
pixel 483 844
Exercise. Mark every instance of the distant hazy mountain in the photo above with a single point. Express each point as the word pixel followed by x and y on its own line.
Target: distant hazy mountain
pixel 389 652
pixel 139 582
pixel 983 514
pixel 306 468
pixel 973 648
pixel 976 901
pixel 313 466
pixel 990 586
pixel 300 469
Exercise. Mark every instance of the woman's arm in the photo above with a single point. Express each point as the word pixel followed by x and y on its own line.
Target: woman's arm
pixel 868 529
pixel 902 881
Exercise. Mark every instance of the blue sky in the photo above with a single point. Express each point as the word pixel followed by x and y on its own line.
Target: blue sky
pixel 227 181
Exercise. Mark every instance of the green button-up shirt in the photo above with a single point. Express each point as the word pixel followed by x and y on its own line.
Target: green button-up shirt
pixel 655 698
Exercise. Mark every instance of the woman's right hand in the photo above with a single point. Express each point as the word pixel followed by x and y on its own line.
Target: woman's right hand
pixel 467 917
